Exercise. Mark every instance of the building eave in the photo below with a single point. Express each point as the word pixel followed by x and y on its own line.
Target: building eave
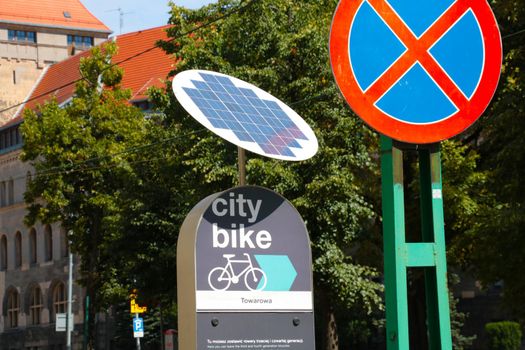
pixel 37 25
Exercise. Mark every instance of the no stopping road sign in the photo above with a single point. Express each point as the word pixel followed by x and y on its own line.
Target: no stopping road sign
pixel 418 71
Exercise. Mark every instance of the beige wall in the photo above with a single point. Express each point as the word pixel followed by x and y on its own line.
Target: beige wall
pixel 21 63
pixel 44 273
pixel 50 47
pixel 17 78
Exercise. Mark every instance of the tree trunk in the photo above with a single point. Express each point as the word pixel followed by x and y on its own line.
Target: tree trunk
pixel 332 338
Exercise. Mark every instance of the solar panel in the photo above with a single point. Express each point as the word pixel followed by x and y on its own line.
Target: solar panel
pixel 245 115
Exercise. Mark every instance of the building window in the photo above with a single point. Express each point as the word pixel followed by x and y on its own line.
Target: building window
pixel 32 246
pixel 10 192
pixel 35 305
pixel 80 41
pixel 13 308
pixel 18 249
pixel 10 138
pixel 3 253
pixel 48 239
pixel 2 194
pixel 21 35
pixel 144 105
pixel 59 299
pixel 64 243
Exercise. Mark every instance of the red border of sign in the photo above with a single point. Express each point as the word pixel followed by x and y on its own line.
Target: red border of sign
pixel 363 103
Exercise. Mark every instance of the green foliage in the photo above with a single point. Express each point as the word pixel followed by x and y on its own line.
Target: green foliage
pixel 125 202
pixel 281 46
pixel 503 335
pixel 457 320
pixel 81 156
pixel 493 245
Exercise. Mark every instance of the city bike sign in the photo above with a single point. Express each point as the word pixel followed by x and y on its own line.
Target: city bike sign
pixel 244 273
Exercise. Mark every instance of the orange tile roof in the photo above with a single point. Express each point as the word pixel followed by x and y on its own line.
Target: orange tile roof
pixel 147 69
pixel 50 13
pixel 141 71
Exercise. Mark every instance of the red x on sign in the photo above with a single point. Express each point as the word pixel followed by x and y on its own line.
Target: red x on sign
pixel 417 71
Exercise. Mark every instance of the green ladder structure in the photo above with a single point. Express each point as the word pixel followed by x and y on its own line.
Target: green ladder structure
pixel 399 255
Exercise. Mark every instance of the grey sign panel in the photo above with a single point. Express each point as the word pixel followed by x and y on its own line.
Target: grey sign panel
pixel 252 253
pixel 291 331
pixel 244 261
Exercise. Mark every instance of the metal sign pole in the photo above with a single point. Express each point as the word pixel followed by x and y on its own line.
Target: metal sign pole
pixel 241 156
pixel 393 241
pixel 433 230
pixel 69 317
pixel 400 255
pixel 137 338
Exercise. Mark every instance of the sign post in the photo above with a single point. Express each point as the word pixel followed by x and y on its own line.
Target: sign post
pixel 244 274
pixel 429 254
pixel 419 74
pixel 243 256
pixel 138 329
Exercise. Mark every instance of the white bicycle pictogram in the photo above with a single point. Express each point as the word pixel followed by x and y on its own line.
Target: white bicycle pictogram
pixel 220 278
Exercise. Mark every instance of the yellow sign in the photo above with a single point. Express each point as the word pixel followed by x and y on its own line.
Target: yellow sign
pixel 134 307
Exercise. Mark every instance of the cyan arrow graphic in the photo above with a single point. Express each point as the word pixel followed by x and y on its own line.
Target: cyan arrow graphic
pixel 279 270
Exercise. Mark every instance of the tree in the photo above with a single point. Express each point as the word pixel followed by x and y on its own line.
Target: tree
pixel 281 47
pixel 82 159
pixel 493 246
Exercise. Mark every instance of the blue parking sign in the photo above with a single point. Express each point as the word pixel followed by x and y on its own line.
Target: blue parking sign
pixel 138 327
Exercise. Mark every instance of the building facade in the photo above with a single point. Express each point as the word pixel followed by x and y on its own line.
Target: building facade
pixel 36 34
pixel 34 260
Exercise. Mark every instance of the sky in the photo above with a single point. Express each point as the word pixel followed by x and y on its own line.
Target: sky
pixel 137 14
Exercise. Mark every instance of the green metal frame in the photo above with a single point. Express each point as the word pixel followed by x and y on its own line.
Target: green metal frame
pixel 400 255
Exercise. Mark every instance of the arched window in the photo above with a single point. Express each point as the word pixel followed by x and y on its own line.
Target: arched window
pixel 3 253
pixel 48 239
pixel 13 308
pixel 59 299
pixel 10 192
pixel 35 305
pixel 18 249
pixel 32 246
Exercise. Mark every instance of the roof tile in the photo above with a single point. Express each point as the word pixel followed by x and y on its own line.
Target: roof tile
pixel 144 66
pixel 50 13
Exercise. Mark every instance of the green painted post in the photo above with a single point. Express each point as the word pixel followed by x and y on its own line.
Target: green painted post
pixel 394 244
pixel 432 221
pixel 429 254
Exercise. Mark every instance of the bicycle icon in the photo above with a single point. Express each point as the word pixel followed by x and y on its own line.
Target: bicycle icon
pixel 220 278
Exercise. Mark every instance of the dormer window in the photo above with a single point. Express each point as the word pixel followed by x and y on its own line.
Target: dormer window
pixel 67 14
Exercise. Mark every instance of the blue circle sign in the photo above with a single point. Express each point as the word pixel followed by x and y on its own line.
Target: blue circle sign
pixel 419 71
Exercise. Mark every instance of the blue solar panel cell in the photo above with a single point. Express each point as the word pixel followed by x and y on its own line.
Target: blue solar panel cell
pixel 224 80
pixel 232 89
pixel 272 105
pixel 201 86
pixel 244 136
pixel 218 123
pixel 248 93
pixel 209 95
pixel 241 110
